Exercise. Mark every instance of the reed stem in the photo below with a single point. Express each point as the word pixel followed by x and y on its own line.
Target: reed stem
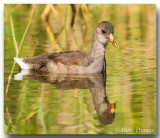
pixel 17 48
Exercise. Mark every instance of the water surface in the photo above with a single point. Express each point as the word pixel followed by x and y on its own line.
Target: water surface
pixel 122 102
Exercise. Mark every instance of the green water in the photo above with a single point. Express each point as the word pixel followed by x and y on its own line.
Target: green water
pixel 68 104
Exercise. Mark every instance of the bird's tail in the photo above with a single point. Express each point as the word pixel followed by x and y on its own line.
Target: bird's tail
pixel 21 63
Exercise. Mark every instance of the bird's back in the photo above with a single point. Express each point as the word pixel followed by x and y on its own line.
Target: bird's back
pixel 63 62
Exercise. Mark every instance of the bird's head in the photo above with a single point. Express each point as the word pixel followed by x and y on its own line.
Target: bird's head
pixel 104 33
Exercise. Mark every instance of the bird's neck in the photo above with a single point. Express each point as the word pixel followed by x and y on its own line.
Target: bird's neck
pixel 98 50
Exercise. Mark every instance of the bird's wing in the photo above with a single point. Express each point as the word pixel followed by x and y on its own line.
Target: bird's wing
pixel 68 58
pixel 71 58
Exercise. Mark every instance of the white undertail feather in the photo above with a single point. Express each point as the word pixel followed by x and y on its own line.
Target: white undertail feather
pixel 20 75
pixel 21 63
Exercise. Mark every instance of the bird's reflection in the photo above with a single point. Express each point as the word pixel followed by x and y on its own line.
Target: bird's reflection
pixel 96 83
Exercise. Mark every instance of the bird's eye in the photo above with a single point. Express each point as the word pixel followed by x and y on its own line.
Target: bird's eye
pixel 103 32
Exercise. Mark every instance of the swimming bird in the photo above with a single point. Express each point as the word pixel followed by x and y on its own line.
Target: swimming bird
pixel 74 62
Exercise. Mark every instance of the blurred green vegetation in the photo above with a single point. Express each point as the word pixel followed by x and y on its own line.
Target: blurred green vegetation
pixel 32 107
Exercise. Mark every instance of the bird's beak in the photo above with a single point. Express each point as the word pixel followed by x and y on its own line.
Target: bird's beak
pixel 112 107
pixel 111 39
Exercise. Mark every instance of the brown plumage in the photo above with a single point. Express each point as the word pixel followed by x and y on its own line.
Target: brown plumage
pixel 67 58
pixel 74 61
